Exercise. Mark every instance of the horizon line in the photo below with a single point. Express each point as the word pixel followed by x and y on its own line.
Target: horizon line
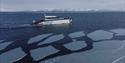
pixel 55 10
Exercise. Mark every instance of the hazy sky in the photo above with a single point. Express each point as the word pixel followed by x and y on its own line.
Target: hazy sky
pixel 19 5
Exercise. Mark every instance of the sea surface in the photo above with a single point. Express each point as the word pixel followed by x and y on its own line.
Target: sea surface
pixel 92 37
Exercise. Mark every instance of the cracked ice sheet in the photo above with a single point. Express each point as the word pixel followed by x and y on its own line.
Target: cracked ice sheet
pixel 75 45
pixel 38 38
pixel 112 49
pixel 40 53
pixel 77 34
pixel 52 39
pixel 108 45
pixel 53 60
pixel 100 35
pixel 121 47
pixel 120 60
pixel 99 54
pixel 119 32
pixel 12 55
pixel 4 45
pixel 120 54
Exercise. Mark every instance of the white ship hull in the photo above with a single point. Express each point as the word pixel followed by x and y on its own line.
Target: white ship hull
pixel 66 21
pixel 52 20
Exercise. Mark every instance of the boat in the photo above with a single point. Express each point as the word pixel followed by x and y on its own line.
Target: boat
pixel 51 20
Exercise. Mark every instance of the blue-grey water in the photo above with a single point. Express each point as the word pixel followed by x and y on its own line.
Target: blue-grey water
pixel 92 37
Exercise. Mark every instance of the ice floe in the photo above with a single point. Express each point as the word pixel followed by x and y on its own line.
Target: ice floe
pixel 52 39
pixel 40 53
pixel 12 55
pixel 38 38
pixel 120 60
pixel 77 34
pixel 75 45
pixel 101 53
pixel 108 45
pixel 53 60
pixel 121 47
pixel 106 51
pixel 5 44
pixel 100 35
pixel 119 32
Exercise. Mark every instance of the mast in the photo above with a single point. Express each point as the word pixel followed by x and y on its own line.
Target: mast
pixel 44 16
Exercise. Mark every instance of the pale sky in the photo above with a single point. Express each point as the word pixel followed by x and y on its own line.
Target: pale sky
pixel 20 5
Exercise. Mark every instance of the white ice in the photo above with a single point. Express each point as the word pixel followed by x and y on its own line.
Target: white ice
pixel 38 38
pixel 77 34
pixel 119 32
pixel 103 52
pixel 4 45
pixel 12 55
pixel 108 45
pixel 52 39
pixel 100 35
pixel 121 47
pixel 40 53
pixel 75 45
pixel 120 60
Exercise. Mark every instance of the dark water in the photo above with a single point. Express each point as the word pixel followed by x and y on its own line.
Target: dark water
pixel 15 26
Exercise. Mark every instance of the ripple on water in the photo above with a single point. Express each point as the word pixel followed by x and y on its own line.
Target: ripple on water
pixel 100 35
